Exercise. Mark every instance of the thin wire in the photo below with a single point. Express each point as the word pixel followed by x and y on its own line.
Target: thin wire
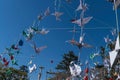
pixel 79 55
pixel 59 5
pixel 67 12
pixel 55 4
pixel 97 20
pixel 99 28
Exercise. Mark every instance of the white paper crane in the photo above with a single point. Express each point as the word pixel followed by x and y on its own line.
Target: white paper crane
pixel 113 54
pixel 30 62
pixel 82 21
pixel 38 49
pixel 81 6
pixel 75 69
pixel 33 68
pixel 81 38
pixel 57 15
pixel 107 39
pixel 43 31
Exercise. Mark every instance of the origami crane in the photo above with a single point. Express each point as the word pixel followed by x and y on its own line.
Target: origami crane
pixel 81 38
pixel 30 30
pixel 14 62
pixel 107 39
pixel 73 42
pixel 5 62
pixel 42 31
pixel 11 57
pixel 116 5
pixel 82 21
pixel 81 6
pixel 47 12
pixel 28 36
pixel 57 15
pixel 75 69
pixel 38 49
pixel 40 17
pixel 114 32
pixel 33 68
pixel 79 45
pixel 15 47
pixel 30 62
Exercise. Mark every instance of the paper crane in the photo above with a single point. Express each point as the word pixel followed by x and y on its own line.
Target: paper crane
pixel 92 76
pixel 33 68
pixel 82 6
pixel 28 36
pixel 114 32
pixel 107 39
pixel 14 62
pixel 42 31
pixel 73 42
pixel 85 77
pixel 40 17
pixel 38 49
pixel 5 62
pixel 30 62
pixel 116 5
pixel 30 30
pixel 11 57
pixel 57 15
pixel 106 63
pixel 81 38
pixel 15 47
pixel 75 69
pixel 113 54
pixel 82 21
pixel 47 12
pixel 79 45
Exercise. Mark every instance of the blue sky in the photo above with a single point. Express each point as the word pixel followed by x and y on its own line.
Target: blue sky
pixel 18 15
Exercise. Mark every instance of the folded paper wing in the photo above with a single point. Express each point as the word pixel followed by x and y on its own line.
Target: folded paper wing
pixel 113 54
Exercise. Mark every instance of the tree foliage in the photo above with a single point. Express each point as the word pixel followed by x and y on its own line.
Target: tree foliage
pixel 63 65
pixel 9 73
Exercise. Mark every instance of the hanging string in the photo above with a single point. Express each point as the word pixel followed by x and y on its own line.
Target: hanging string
pixel 55 4
pixel 117 24
pixel 95 19
pixel 74 29
pixel 98 28
pixel 80 50
pixel 59 5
